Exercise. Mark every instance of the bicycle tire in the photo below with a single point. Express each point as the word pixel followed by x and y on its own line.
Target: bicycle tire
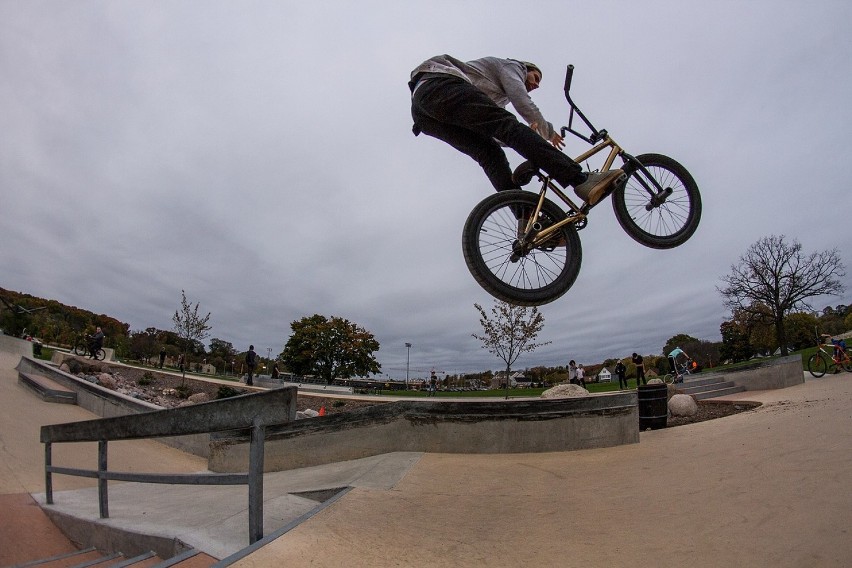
pixel 846 365
pixel 668 379
pixel 100 354
pixel 817 365
pixel 537 277
pixel 81 350
pixel 668 224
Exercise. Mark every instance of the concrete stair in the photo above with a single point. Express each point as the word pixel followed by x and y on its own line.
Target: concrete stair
pixel 708 387
pixel 93 557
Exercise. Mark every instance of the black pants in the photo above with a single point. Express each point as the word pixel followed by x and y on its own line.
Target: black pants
pixel 453 110
pixel 622 382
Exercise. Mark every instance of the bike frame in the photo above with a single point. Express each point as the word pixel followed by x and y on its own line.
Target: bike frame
pixel 600 141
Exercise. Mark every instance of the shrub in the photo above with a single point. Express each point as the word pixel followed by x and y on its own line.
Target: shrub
pixel 338 403
pixel 226 392
pixel 146 379
pixel 183 391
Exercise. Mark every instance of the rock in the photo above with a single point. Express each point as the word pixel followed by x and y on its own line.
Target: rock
pixel 683 405
pixel 65 368
pixel 199 397
pixel 656 381
pixel 310 413
pixel 565 391
pixel 107 381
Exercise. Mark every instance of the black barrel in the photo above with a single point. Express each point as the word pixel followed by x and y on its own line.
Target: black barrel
pixel 653 406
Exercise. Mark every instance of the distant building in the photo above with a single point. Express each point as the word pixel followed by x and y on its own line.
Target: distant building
pixel 604 376
pixel 499 379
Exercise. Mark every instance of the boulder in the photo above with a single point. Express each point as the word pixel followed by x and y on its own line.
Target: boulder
pixel 565 391
pixel 683 405
pixel 107 381
pixel 656 381
pixel 199 397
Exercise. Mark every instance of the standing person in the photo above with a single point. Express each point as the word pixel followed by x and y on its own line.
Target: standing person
pixel 162 357
pixel 620 369
pixel 640 369
pixel 96 341
pixel 181 361
pixel 572 372
pixel 251 361
pixel 463 104
pixel 275 372
pixel 581 376
pixel 433 384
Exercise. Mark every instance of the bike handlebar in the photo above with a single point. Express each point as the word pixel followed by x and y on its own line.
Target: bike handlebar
pixel 569 74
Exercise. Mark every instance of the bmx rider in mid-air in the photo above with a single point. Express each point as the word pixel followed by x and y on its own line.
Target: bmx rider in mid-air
pixel 462 103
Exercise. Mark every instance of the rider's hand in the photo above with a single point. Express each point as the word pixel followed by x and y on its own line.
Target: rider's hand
pixel 557 141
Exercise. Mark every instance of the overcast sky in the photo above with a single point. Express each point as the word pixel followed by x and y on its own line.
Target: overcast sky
pixel 259 155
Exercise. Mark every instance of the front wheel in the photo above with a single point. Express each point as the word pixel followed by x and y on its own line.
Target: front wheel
pixel 506 268
pixel 817 365
pixel 657 219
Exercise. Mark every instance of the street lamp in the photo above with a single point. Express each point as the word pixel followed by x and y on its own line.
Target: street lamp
pixel 268 357
pixel 407 361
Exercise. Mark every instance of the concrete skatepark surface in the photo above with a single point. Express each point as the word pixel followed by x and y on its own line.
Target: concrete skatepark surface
pixel 766 487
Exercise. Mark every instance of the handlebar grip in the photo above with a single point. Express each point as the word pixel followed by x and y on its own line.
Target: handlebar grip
pixel 568 75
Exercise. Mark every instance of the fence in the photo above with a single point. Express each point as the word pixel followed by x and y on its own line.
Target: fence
pixel 252 412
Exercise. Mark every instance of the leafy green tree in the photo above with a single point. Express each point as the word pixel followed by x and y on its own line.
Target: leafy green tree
pixel 775 273
pixel 509 332
pixel 801 329
pixel 330 348
pixel 735 343
pixel 143 345
pixel 190 327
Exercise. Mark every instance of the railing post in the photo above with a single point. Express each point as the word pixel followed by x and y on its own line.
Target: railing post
pixel 48 476
pixel 103 499
pixel 255 480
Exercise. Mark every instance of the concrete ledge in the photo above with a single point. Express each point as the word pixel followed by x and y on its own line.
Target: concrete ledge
pixel 10 344
pixel 770 374
pixel 514 426
pixel 49 390
pixel 108 403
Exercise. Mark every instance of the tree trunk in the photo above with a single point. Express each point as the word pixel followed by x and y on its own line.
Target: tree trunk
pixel 781 334
pixel 508 378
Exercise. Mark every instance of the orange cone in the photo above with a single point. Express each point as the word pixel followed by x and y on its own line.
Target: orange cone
pixel 322 411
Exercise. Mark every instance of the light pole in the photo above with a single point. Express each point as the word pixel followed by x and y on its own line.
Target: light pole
pixel 268 358
pixel 407 361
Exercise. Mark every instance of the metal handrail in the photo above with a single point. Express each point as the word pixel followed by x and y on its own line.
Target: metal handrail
pixel 252 411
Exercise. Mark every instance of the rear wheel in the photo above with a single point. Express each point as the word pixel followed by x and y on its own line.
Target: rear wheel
pixel 817 365
pixel 80 350
pixel 100 354
pixel 663 221
pixel 510 270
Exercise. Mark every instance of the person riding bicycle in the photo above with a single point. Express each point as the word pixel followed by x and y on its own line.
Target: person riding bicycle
pixel 96 341
pixel 673 358
pixel 463 104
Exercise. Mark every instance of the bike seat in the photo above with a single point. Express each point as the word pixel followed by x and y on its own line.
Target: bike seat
pixel 524 173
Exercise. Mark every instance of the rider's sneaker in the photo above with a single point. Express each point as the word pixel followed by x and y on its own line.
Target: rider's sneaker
pixel 596 185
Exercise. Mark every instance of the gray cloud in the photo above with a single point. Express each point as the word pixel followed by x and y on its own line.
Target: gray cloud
pixel 259 156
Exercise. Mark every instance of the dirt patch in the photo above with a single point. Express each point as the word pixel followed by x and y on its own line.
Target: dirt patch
pixel 711 409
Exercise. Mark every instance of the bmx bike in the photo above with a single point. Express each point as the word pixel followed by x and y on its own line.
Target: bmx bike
pixel 823 361
pixel 677 376
pixel 82 349
pixel 523 248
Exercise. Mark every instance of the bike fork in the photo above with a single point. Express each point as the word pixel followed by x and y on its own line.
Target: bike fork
pixel 658 193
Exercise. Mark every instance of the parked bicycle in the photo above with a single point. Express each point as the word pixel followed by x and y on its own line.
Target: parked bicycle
pixel 83 348
pixel 523 248
pixel 831 356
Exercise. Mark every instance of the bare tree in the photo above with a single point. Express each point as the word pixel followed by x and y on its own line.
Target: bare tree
pixel 189 326
pixel 775 274
pixel 510 331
